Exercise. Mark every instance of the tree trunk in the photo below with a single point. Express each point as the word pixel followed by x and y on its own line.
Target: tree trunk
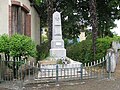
pixel 49 20
pixel 93 21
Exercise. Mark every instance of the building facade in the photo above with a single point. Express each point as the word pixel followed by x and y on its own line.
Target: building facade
pixel 20 16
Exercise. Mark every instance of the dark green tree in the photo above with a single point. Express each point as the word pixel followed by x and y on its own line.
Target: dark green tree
pixel 46 7
pixel 93 21
pixel 77 12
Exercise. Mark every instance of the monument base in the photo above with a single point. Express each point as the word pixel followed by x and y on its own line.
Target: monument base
pixel 58 53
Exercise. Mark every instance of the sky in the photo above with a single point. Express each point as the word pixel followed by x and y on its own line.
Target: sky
pixel 117 29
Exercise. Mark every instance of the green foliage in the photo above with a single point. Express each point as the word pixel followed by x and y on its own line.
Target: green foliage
pixel 83 51
pixel 78 14
pixel 42 51
pixel 17 45
pixel 78 51
pixel 116 38
pixel 44 38
pixel 102 45
pixel 69 42
pixel 21 45
pixel 4 43
pixel 59 61
pixel 38 2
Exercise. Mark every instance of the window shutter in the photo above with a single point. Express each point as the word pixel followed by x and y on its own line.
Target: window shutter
pixel 19 21
pixel 14 20
pixel 28 25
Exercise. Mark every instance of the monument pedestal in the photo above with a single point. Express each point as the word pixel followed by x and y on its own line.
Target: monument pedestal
pixel 58 52
pixel 57 49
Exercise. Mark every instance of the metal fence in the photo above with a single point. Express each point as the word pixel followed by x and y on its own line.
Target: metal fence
pixel 96 69
pixel 20 72
pixel 60 72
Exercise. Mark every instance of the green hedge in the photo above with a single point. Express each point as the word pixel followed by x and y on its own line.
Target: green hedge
pixel 17 45
pixel 21 45
pixel 42 51
pixel 83 51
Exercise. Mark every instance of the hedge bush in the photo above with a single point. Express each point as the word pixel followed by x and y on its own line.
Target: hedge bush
pixel 83 51
pixel 42 51
pixel 4 43
pixel 21 45
pixel 17 45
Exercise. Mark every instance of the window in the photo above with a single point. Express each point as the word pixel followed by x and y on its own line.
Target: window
pixel 20 21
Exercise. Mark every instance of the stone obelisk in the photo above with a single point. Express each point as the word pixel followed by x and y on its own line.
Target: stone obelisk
pixel 57 44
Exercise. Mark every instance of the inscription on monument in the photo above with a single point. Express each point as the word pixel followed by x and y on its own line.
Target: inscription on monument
pixel 57 20
pixel 58 43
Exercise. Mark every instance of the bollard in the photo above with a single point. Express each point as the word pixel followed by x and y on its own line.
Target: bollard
pixel 81 75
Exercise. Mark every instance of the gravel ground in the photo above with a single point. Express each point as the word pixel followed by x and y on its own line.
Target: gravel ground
pixel 89 84
pixel 1 88
pixel 113 84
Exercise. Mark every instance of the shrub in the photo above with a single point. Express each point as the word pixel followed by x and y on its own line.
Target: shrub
pixel 4 44
pixel 42 51
pixel 80 51
pixel 102 45
pixel 21 45
pixel 83 51
pixel 16 46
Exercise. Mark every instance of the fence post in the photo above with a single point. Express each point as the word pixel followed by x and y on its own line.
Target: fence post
pixel 29 69
pixel 81 70
pixel 56 73
pixel 109 67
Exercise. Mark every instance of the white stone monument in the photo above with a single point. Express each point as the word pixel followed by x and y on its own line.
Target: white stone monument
pixel 57 44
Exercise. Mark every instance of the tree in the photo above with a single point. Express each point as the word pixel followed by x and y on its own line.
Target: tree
pixel 49 20
pixel 106 14
pixel 78 15
pixel 47 7
pixel 93 20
